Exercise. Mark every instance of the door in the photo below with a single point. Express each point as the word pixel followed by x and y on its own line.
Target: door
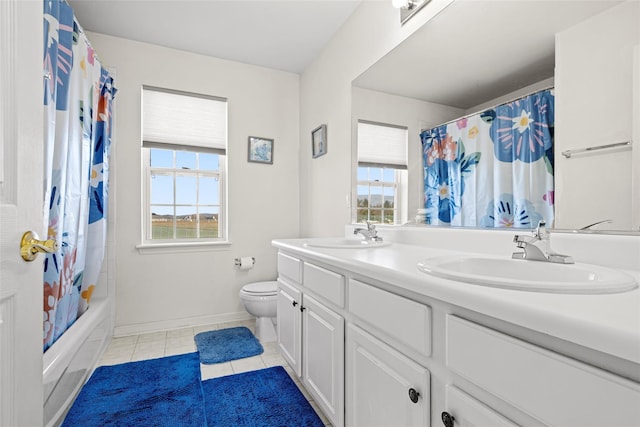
pixel 384 388
pixel 289 319
pixel 21 190
pixel 323 358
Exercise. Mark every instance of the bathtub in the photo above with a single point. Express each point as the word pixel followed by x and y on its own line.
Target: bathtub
pixel 69 361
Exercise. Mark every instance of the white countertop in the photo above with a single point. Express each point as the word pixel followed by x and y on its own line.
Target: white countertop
pixel 609 323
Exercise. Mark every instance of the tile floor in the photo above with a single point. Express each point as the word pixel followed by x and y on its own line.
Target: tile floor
pixel 169 343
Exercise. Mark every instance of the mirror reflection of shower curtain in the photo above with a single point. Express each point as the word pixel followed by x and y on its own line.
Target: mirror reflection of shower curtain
pixel 78 95
pixel 492 169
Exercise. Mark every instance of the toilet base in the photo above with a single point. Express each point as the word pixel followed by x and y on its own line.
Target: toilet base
pixel 265 329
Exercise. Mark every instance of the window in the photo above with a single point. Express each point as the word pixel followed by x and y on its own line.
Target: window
pixel 382 173
pixel 184 156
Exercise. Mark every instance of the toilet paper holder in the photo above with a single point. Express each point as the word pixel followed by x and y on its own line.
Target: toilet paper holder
pixel 238 261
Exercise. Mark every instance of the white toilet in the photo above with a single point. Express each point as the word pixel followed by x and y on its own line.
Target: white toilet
pixel 260 300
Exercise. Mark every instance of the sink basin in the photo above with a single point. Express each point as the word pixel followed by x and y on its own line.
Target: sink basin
pixel 529 275
pixel 340 243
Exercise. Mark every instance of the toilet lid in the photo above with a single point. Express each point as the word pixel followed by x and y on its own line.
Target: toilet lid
pixel 262 288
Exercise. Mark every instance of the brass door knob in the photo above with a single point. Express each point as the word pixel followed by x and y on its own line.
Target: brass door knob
pixel 30 246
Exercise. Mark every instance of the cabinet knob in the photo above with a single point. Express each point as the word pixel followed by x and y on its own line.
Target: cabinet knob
pixel 414 395
pixel 294 303
pixel 447 419
pixel 302 308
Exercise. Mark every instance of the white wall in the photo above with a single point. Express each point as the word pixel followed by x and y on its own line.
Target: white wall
pixel 325 98
pixel 543 84
pixel 594 80
pixel 161 290
pixel 398 110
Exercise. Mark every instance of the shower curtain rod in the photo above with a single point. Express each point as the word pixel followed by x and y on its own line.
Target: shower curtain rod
pixel 490 108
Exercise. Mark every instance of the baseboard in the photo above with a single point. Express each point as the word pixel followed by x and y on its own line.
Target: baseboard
pixel 164 325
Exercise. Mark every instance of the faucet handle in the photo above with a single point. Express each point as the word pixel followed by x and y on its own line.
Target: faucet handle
pixel 541 230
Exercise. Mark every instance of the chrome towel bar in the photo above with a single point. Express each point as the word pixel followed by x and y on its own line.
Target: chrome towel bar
pixel 569 153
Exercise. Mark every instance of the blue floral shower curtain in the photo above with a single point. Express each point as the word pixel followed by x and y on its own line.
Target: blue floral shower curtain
pixel 492 169
pixel 78 95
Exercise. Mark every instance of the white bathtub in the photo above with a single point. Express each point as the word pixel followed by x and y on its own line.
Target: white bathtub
pixel 68 362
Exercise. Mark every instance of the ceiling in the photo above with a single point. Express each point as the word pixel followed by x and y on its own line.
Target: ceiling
pixel 280 34
pixel 470 53
pixel 477 50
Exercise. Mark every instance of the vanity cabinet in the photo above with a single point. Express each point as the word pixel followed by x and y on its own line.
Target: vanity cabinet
pixel 549 387
pixel 384 388
pixel 323 358
pixel 374 353
pixel 289 325
pixel 311 331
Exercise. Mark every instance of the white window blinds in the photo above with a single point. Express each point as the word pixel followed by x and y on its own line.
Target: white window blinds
pixel 174 119
pixel 382 145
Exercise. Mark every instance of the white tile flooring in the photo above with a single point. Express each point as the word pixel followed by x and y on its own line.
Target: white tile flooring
pixel 169 343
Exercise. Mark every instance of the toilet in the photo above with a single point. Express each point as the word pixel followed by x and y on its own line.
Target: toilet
pixel 260 300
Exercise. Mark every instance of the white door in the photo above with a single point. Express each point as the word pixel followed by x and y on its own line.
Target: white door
pixel 288 324
pixel 384 388
pixel 323 358
pixel 21 190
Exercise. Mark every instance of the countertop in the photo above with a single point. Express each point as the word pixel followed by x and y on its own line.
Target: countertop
pixel 609 323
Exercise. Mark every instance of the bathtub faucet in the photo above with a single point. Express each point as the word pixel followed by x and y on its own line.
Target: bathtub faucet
pixel 538 247
pixel 370 233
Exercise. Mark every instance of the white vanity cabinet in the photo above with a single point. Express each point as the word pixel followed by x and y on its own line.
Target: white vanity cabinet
pixel 289 325
pixel 384 388
pixel 549 387
pixel 323 358
pixel 311 331
pixel 376 352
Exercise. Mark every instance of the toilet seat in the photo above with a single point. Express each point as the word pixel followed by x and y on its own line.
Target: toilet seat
pixel 260 289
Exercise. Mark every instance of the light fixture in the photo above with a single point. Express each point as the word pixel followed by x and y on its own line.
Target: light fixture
pixel 408 8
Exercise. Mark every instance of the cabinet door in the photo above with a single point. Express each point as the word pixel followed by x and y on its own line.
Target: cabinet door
pixel 468 412
pixel 323 358
pixel 382 385
pixel 288 324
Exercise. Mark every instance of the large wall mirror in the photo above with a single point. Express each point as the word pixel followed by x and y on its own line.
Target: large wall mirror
pixel 477 54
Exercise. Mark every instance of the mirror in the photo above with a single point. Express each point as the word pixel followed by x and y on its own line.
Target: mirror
pixel 475 55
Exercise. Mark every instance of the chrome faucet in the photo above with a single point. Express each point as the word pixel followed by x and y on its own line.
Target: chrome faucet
pixel 538 248
pixel 369 233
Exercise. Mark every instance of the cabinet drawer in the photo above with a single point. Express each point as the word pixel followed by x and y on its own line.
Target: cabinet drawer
pixel 549 387
pixel 468 412
pixel 403 319
pixel 290 267
pixel 325 283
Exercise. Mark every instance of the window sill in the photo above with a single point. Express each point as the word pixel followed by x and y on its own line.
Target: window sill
pixel 152 248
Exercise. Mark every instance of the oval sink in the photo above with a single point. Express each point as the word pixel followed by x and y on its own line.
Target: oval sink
pixel 340 243
pixel 529 275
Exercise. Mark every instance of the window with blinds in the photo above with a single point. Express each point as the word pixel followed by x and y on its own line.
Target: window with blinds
pixel 381 173
pixel 184 142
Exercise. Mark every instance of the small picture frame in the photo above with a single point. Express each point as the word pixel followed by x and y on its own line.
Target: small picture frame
pixel 319 141
pixel 260 150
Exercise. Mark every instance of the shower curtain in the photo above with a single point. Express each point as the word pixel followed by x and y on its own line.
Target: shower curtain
pixel 492 169
pixel 78 95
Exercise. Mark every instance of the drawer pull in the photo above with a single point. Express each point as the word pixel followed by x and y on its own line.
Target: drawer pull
pixel 294 303
pixel 447 419
pixel 414 395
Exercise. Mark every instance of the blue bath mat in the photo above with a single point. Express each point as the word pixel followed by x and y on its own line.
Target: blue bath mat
pixel 264 398
pixel 156 392
pixel 227 344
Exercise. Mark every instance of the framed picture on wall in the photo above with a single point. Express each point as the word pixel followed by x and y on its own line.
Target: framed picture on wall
pixel 260 150
pixel 319 141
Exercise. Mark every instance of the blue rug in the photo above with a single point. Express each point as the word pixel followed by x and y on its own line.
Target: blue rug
pixel 157 392
pixel 227 344
pixel 263 398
